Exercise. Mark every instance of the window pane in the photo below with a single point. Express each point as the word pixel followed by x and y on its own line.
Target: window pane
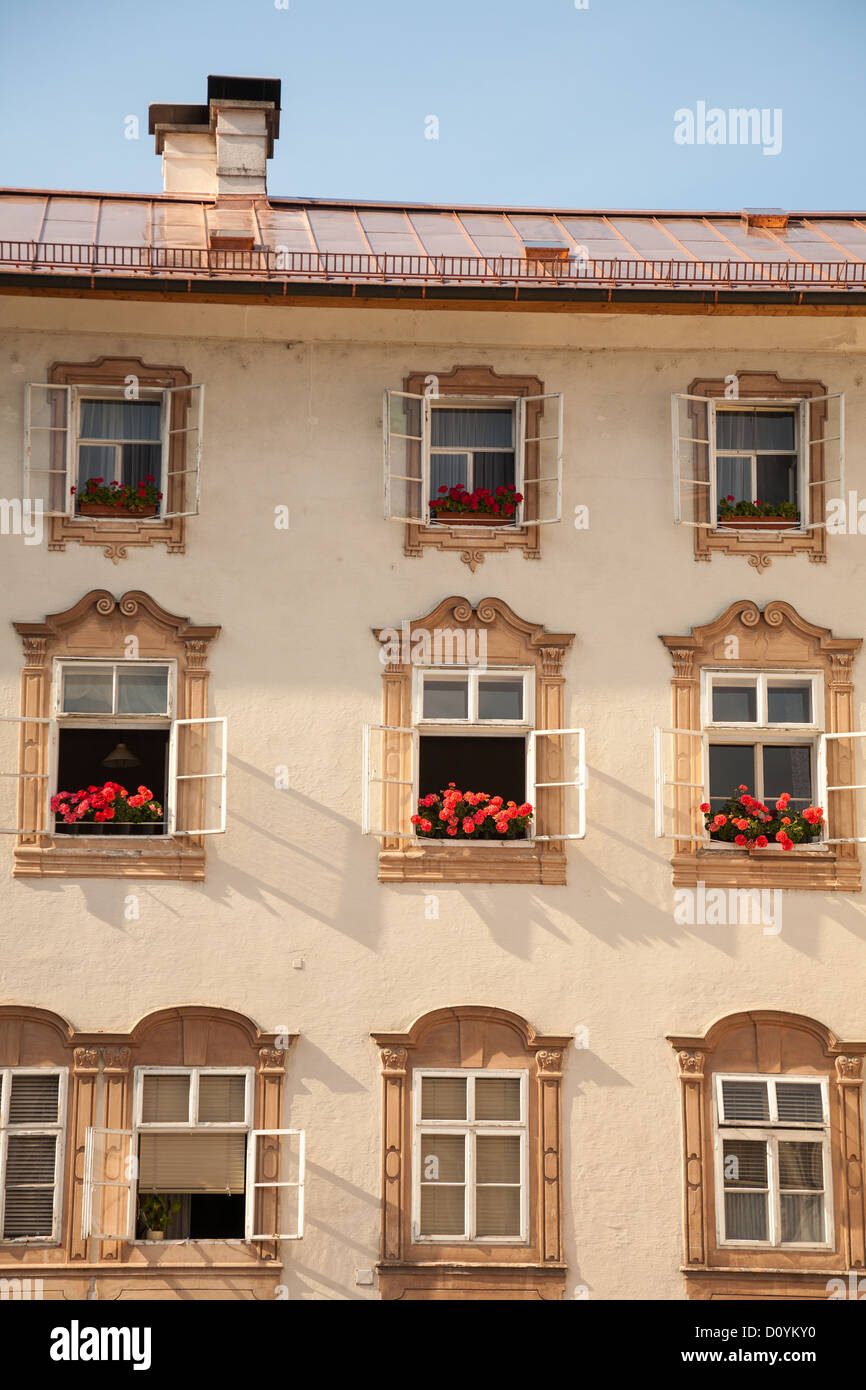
pixel 500 699
pixel 735 704
pixel 443 1211
pixel 731 765
pixel 165 1098
pixel 734 478
pixel 497 1211
pixel 446 699
pixel 443 1098
pixel 221 1098
pixel 448 470
pixel 789 704
pixel 497 1098
pixel 745 1216
pixel 34 1100
pixel 97 461
pixel 472 429
pixel 745 1163
pixel 120 420
pixel 443 1158
pixel 139 462
pixel 87 691
pixel 736 429
pixel 745 1100
pixel 802 1218
pixel 493 471
pixel 788 769
pixel 774 429
pixel 777 478
pixel 497 1158
pixel 799 1101
pixel 142 690
pixel 801 1164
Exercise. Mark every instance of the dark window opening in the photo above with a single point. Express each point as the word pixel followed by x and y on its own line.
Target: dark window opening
pixel 82 755
pixel 203 1216
pixel 493 765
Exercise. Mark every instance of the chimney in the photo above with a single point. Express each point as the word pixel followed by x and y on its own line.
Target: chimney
pixel 221 149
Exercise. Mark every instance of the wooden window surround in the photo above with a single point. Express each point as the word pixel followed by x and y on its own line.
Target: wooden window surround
pixel 511 642
pixel 472 1038
pixel 778 639
pixel 476 382
pixel 115 537
pixel 101 1066
pixel 99 625
pixel 761 548
pixel 777 1044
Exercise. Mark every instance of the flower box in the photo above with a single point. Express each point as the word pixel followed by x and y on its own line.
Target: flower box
pixel 107 809
pixel 470 817
pixel 456 507
pixel 118 513
pixel 747 824
pixel 757 523
pixel 470 519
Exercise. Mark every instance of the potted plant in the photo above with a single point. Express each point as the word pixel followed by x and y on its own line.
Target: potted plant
pixel 749 824
pixel 757 515
pixel 456 507
pixel 155 1211
pixel 457 815
pixel 109 807
pixel 119 500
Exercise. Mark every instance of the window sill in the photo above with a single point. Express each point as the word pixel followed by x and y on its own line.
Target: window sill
pixel 117 535
pixel 808 870
pixel 98 857
pixel 431 1280
pixel 483 862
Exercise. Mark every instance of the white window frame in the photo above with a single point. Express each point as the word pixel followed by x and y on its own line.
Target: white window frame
pixel 746 404
pixel 56 1130
pixel 94 392
pixel 771 1131
pixel 192 1123
pixel 517 404
pixel 252 1183
pixel 825 790
pixel 470 1129
pixel 129 1184
pixel 45 777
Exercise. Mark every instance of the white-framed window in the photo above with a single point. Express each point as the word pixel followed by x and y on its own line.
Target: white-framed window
pixel 193 1166
pixel 757 450
pixel 475 728
pixel 772 1161
pixel 115 722
pixel 759 729
pixel 470 1156
pixel 763 731
pixel 32 1130
pixel 116 434
pixel 446 441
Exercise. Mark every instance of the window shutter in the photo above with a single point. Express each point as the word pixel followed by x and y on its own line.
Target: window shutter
pixel 191 1161
pixel 34 1100
pixel 182 431
pixel 823 430
pixel 539 455
pixel 24 774
pixel 561 809
pixel 679 765
pixel 198 764
pixel 48 466
pixel 31 1184
pixel 693 422
pixel 390 760
pixel 841 785
pixel 406 431
pixel 275 1184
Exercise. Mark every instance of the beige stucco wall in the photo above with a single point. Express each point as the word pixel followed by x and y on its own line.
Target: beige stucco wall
pixel 293 415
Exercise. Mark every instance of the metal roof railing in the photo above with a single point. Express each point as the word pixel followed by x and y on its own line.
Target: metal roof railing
pixel 311 266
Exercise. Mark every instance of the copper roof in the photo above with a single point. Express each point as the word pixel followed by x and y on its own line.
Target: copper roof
pixel 317 240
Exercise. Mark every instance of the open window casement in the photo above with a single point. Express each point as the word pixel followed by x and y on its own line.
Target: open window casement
pixel 389 770
pixel 26 774
pixel 182 418
pixel 49 473
pixel 539 459
pixel 842 787
pixel 198 765
pixel 680 761
pixel 110 1176
pixel 275 1184
pixel 557 768
pixel 822 430
pixel 406 430
pixel 693 424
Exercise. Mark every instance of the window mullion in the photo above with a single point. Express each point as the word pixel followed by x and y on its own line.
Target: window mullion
pixel 469 1191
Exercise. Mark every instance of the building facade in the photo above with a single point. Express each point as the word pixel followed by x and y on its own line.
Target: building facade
pixel 261 1034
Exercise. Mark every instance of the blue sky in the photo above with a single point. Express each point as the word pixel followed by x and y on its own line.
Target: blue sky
pixel 538 103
